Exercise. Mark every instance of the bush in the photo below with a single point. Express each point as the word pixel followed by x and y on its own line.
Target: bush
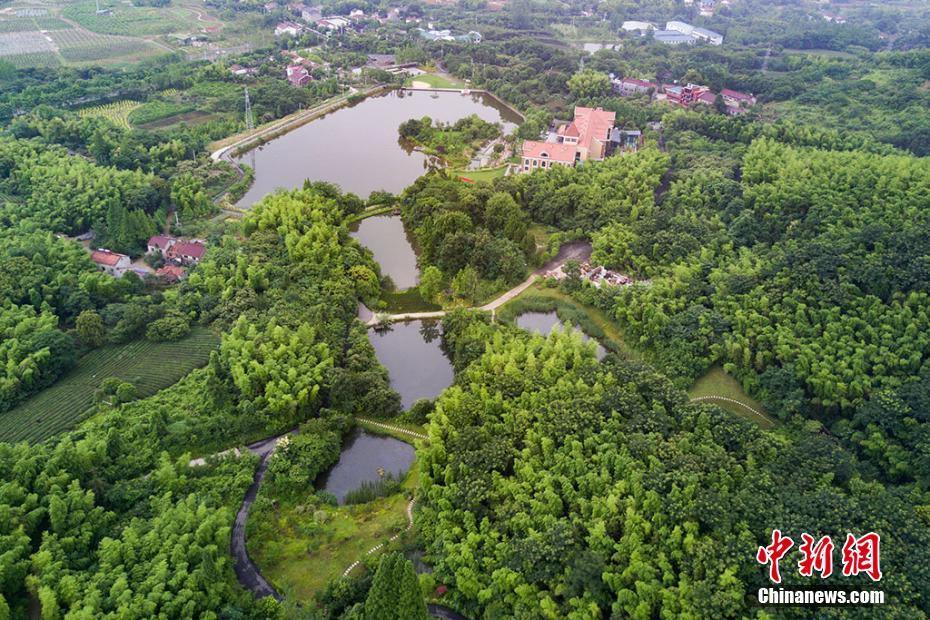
pixel 171 327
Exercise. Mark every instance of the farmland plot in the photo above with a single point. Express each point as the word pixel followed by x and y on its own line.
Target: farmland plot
pixel 84 46
pixel 149 366
pixel 126 19
pixel 17 43
pixel 117 112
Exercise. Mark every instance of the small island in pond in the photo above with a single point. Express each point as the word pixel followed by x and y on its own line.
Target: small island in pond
pixel 456 143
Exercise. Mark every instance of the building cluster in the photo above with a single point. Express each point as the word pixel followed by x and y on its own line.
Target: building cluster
pixel 597 275
pixel 686 95
pixel 590 136
pixel 678 33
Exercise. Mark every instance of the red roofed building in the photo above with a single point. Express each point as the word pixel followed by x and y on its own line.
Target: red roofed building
pixel 298 75
pixel 632 86
pixel 686 96
pixel 112 263
pixel 171 273
pixel 160 244
pixel 585 138
pixel 736 101
pixel 186 252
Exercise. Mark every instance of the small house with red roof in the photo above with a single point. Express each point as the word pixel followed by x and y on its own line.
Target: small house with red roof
pixel 583 139
pixel 737 102
pixel 628 87
pixel 298 75
pixel 113 263
pixel 160 244
pixel 186 252
pixel 171 273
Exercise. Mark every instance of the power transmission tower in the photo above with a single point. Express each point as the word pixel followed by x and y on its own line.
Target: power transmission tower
pixel 249 125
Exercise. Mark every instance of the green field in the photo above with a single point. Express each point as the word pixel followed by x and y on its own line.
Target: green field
pixel 126 19
pixel 718 383
pixel 300 555
pixel 149 366
pixel 435 81
pixel 487 174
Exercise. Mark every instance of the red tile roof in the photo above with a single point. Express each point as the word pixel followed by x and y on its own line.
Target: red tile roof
pixel 564 153
pixel 735 94
pixel 106 257
pixel 161 241
pixel 193 249
pixel 593 123
pixel 171 272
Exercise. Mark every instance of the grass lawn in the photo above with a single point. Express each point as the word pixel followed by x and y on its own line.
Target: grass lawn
pixel 149 366
pixel 300 554
pixel 435 81
pixel 718 383
pixel 488 174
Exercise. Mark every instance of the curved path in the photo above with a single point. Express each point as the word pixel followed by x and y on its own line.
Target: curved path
pixel 575 250
pixel 246 571
pixel 733 401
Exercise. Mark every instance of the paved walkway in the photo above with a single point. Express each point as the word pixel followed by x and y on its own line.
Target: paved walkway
pixel 577 250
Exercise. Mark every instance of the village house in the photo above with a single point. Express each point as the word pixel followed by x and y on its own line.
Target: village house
pixel 287 28
pixel 628 87
pixel 270 7
pixel 688 95
pixel 240 70
pixel 113 263
pixel 171 273
pixel 298 75
pixel 585 138
pixel 159 244
pixel 186 252
pixel 333 23
pixel 677 33
pixel 311 13
pixel 636 26
pixel 737 102
pixel 177 250
pixel 707 8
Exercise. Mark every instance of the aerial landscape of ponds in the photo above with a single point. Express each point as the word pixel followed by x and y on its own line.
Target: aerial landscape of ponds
pixel 543 322
pixel 411 353
pixel 385 236
pixel 364 458
pixel 357 147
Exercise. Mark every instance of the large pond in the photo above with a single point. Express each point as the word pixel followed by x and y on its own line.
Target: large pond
pixel 357 147
pixel 392 247
pixel 543 322
pixel 363 455
pixel 417 366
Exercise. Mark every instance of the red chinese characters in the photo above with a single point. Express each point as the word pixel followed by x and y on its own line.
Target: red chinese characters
pixel 773 553
pixel 816 556
pixel 860 555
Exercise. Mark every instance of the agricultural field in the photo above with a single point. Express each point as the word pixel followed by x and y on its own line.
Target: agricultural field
pixel 117 112
pixel 149 366
pixel 126 19
pixel 79 46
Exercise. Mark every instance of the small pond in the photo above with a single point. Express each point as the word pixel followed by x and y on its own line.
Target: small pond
pixel 543 322
pixel 417 366
pixel 362 455
pixel 385 236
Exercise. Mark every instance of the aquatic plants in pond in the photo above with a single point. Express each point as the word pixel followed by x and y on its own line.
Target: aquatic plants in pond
pixel 365 458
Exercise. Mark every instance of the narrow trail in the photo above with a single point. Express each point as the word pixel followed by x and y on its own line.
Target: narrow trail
pixel 575 250
pixel 733 401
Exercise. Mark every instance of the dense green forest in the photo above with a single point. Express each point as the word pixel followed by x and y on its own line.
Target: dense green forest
pixel 786 248
pixel 556 486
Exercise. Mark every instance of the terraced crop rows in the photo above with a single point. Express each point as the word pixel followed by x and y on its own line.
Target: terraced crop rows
pixel 149 366
pixel 125 19
pixel 118 111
